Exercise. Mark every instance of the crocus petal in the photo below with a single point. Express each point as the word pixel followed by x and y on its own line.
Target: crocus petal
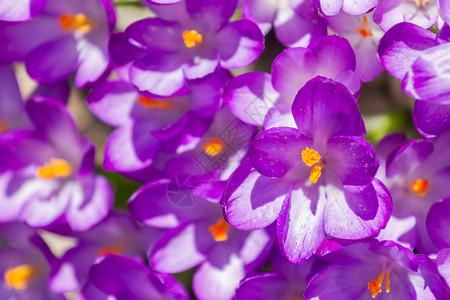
pixel 159 74
pixel 182 248
pixel 428 77
pixel 318 115
pixel 329 7
pixel 353 160
pixel 300 224
pixel 277 150
pixel 354 7
pixel 368 64
pixel 443 265
pixel 12 109
pixel 430 118
pixel 130 148
pixel 201 65
pixel 265 286
pixel 94 204
pixel 93 62
pixel 251 200
pixel 239 44
pixel 357 213
pixel 53 61
pixel 401 45
pixel 438 223
pixel 21 10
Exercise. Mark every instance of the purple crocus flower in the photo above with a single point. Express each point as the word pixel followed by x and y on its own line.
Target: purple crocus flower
pixel 418 56
pixel 21 10
pixel 332 7
pixel 67 37
pixel 117 234
pixel 25 264
pixel 148 124
pixel 198 235
pixel 296 23
pixel 316 180
pixel 48 172
pixel 417 175
pixel 424 13
pixel 288 281
pixel 438 223
pixel 188 40
pixel 379 270
pixel 125 278
pixel 363 35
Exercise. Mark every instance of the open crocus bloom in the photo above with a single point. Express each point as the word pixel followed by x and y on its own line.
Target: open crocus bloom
pixel 48 172
pixel 316 180
pixel 376 270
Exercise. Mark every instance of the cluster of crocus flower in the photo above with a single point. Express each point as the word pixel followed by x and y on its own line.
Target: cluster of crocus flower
pixel 253 185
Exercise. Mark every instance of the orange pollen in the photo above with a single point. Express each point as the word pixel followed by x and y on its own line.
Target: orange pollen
pixel 114 249
pixel 2 127
pixel 57 167
pixel 420 187
pixel 192 38
pixel 213 147
pixel 78 22
pixel 157 104
pixel 421 3
pixel 374 286
pixel 310 157
pixel 365 30
pixel 316 171
pixel 19 278
pixel 220 230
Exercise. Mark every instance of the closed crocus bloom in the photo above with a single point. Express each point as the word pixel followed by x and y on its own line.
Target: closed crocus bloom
pixel 188 40
pixel 418 56
pixel 25 264
pixel 21 10
pixel 48 173
pixel 332 7
pixel 121 277
pixel 296 23
pixel 376 270
pixel 316 180
pixel 424 13
pixel 67 37
pixel 417 175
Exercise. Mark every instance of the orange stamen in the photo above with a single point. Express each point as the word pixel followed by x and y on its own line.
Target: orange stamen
pixel 192 38
pixel 213 147
pixel 2 127
pixel 78 22
pixel 374 286
pixel 220 230
pixel 57 167
pixel 420 187
pixel 365 30
pixel 19 278
pixel 114 249
pixel 157 104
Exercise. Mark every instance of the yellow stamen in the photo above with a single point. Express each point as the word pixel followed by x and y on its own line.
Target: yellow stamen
pixel 192 38
pixel 310 157
pixel 78 22
pixel 316 171
pixel 19 278
pixel 213 147
pixel 374 286
pixel 421 3
pixel 365 30
pixel 157 104
pixel 55 168
pixel 114 249
pixel 220 230
pixel 420 187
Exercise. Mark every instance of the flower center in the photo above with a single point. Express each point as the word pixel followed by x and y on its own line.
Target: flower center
pixel 19 278
pixel 421 2
pixel 420 187
pixel 213 147
pixel 374 286
pixel 192 38
pixel 365 30
pixel 78 22
pixel 156 104
pixel 312 158
pixel 220 230
pixel 114 249
pixel 57 167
